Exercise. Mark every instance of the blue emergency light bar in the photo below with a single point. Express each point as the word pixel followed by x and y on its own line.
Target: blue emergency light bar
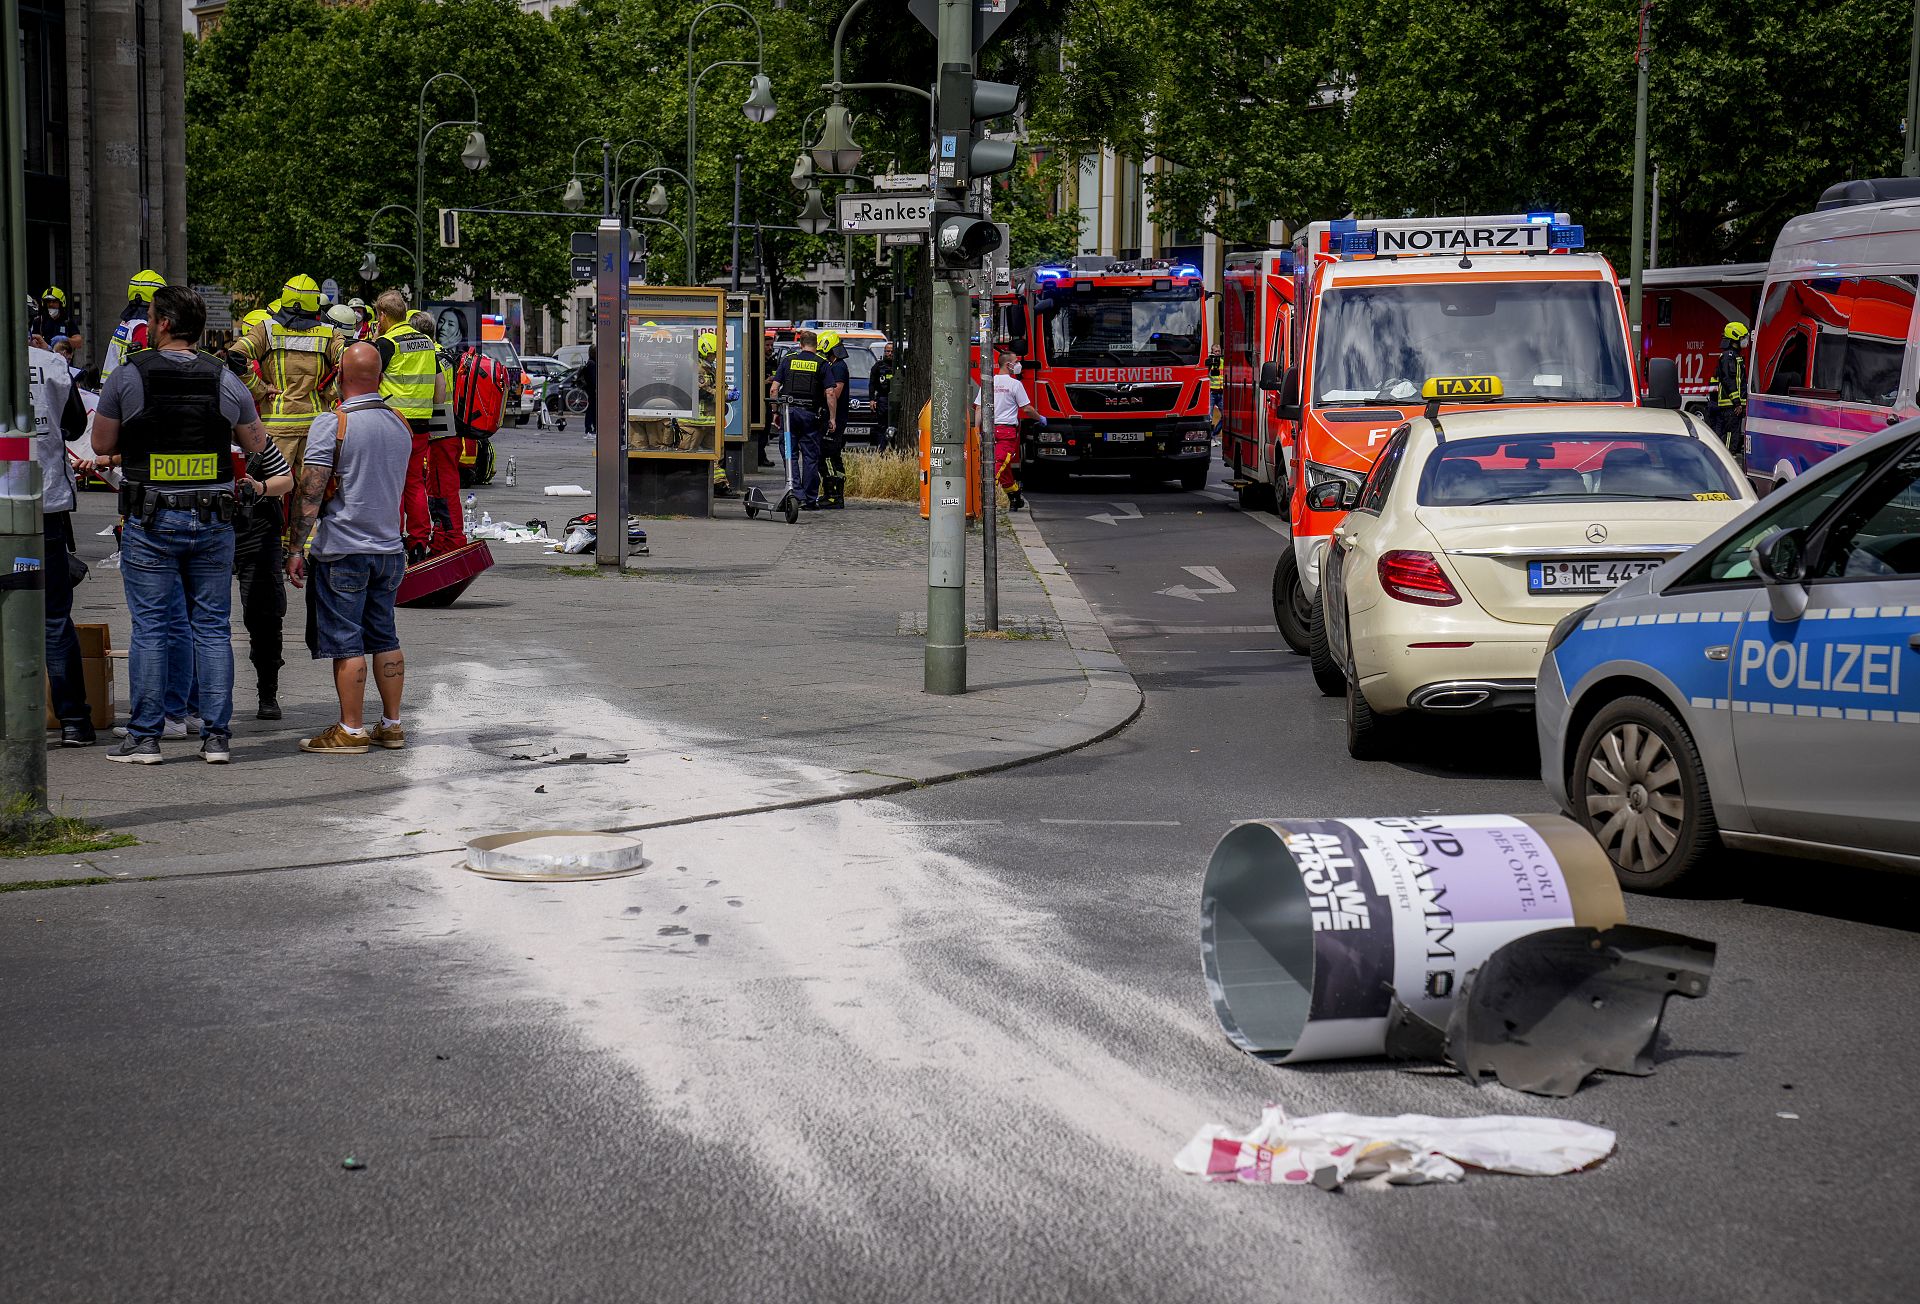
pixel 1049 273
pixel 1186 269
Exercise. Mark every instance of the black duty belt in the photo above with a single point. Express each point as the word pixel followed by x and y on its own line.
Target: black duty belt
pixel 143 502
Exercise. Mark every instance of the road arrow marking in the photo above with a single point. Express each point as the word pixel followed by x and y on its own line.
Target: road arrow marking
pixel 1206 573
pixel 1128 512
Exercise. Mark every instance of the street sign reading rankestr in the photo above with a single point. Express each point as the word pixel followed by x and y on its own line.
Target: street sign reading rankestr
pixel 870 214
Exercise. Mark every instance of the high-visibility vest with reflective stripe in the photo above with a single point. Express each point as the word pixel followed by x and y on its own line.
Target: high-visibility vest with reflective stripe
pixel 296 360
pixel 407 386
pixel 120 346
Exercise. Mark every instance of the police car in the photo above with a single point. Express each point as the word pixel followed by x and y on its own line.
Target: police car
pixel 1760 692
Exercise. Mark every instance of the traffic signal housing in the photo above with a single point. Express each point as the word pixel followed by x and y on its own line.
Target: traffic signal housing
pixel 961 240
pixel 967 105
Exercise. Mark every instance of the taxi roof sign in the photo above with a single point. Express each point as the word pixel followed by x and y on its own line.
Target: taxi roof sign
pixel 1462 387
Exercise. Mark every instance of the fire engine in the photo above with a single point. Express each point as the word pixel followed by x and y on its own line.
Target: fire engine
pixel 1683 310
pixel 1256 327
pixel 1382 305
pixel 1114 355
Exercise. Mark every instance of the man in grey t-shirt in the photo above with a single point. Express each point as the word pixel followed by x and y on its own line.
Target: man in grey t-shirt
pixel 351 545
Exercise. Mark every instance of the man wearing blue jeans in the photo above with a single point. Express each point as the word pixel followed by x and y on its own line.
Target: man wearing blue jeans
pixel 350 545
pixel 172 414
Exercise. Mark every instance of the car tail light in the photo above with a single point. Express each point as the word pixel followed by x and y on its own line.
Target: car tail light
pixel 1417 577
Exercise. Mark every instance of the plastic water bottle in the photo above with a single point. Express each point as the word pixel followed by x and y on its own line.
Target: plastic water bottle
pixel 486 520
pixel 466 517
pixel 513 472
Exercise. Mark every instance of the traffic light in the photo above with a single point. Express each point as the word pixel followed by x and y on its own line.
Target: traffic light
pixel 962 239
pixel 966 106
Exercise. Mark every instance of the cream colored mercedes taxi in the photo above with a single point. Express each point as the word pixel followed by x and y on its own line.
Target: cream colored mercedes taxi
pixel 1476 532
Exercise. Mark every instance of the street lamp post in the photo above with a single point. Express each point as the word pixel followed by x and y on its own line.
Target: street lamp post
pixel 575 195
pixel 474 155
pixel 657 203
pixel 1637 260
pixel 758 108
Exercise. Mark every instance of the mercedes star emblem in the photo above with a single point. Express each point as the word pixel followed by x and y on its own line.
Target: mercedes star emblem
pixel 1596 534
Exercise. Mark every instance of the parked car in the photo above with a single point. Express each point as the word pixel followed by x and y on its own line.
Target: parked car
pixel 1475 532
pixel 1761 692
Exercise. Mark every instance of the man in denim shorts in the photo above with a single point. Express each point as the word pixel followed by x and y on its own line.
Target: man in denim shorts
pixel 349 542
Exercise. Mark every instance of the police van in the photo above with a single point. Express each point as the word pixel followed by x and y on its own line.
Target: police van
pixel 1759 692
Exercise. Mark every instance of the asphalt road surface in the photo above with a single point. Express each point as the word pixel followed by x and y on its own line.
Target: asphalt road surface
pixel 940 1048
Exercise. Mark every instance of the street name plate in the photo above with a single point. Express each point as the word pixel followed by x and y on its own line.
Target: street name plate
pixel 903 237
pixel 872 214
pixel 901 181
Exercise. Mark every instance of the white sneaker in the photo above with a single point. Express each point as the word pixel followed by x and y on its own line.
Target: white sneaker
pixel 171 729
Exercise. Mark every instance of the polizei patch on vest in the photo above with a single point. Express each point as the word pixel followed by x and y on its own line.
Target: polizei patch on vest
pixel 176 467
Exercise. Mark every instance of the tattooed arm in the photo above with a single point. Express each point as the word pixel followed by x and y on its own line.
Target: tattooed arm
pixel 306 511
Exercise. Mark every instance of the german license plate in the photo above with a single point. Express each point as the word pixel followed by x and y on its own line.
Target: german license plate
pixel 1126 436
pixel 1596 576
pixel 859 432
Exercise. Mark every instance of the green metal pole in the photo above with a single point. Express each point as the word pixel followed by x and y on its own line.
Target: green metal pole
pixel 946 658
pixel 23 622
pixel 1910 162
pixel 1637 260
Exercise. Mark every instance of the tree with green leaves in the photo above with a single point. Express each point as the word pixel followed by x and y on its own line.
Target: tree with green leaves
pixel 304 120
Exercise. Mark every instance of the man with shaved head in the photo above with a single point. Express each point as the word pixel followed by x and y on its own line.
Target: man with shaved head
pixel 349 553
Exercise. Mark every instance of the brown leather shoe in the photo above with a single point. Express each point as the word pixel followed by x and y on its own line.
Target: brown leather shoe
pixel 390 736
pixel 336 739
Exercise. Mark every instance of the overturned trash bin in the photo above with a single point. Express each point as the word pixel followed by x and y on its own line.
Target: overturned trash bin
pixel 1310 929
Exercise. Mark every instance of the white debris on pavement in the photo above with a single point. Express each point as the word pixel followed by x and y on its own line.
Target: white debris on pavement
pixel 567 491
pixel 1329 1150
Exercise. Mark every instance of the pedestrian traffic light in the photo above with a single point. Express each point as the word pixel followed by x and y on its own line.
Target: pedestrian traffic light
pixel 966 106
pixel 961 239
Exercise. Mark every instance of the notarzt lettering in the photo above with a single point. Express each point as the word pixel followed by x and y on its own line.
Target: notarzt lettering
pixel 1463 239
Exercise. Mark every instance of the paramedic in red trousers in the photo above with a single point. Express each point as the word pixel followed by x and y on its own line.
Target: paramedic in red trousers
pixel 410 385
pixel 352 559
pixel 443 457
pixel 1011 406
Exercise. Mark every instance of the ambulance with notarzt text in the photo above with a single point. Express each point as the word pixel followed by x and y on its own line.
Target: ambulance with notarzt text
pixel 1380 306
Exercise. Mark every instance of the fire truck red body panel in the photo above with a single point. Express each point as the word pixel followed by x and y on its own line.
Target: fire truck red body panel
pixel 1683 311
pixel 1256 327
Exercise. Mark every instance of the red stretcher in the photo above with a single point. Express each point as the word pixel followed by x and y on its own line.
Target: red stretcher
pixel 439 581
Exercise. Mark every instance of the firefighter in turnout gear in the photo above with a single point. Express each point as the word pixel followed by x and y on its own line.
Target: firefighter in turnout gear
pixel 833 469
pixel 803 378
pixel 709 350
pixel 297 353
pixel 131 334
pixel 1728 415
pixel 410 385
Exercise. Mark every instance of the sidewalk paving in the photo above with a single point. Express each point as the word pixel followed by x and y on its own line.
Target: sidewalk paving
pixel 778 647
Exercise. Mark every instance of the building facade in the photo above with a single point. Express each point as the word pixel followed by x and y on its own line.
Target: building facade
pixel 105 150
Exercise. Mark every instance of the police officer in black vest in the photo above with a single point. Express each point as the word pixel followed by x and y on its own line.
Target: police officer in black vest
pixel 803 377
pixel 173 414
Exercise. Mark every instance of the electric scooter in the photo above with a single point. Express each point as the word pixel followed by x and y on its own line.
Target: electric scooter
pixel 789 504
